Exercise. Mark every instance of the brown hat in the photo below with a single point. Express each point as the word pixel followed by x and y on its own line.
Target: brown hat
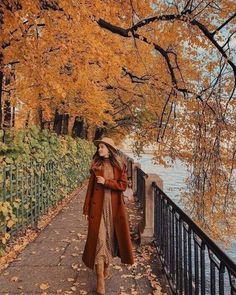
pixel 106 140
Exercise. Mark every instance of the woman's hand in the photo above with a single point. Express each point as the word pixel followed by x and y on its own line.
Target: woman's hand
pixel 100 179
pixel 86 216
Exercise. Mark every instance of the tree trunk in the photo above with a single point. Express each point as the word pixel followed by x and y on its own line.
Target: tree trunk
pixel 80 128
pixel 65 122
pixel 98 133
pixel 41 122
pixel 27 120
pixel 7 114
pixel 13 116
pixel 1 81
pixel 57 126
pixel 1 72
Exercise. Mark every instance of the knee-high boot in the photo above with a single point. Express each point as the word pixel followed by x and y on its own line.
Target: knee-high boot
pixel 100 278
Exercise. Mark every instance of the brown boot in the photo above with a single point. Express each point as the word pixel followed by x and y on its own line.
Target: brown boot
pixel 107 273
pixel 100 278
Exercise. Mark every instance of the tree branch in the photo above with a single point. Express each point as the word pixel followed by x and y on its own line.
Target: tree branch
pixel 224 24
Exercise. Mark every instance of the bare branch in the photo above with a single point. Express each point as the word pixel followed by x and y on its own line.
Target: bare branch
pixel 210 37
pixel 224 24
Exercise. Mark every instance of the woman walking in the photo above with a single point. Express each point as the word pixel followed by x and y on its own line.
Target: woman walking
pixel 108 228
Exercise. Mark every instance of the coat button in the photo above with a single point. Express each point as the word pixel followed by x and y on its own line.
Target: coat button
pixel 91 216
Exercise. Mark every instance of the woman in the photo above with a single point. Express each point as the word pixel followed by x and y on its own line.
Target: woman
pixel 108 227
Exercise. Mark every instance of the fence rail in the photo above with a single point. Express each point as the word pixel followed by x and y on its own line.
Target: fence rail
pixel 193 263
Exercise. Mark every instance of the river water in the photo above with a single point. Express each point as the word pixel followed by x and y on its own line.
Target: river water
pixel 173 182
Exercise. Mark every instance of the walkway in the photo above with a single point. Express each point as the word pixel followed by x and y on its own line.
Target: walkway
pixel 52 263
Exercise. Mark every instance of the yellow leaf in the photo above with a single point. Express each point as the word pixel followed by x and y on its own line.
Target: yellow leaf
pixel 14 279
pixel 44 286
pixel 4 241
pixel 70 279
pixel 10 223
pixel 7 236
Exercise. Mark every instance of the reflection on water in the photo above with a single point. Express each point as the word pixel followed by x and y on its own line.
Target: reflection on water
pixel 173 182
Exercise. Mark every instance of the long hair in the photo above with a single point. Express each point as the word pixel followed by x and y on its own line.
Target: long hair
pixel 115 158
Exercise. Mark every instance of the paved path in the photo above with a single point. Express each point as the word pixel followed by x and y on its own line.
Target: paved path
pixel 52 263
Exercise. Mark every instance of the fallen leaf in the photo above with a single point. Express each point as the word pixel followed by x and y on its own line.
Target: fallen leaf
pixel 74 265
pixel 44 286
pixel 70 280
pixel 6 273
pixel 138 276
pixel 66 240
pixel 74 254
pixel 126 276
pixel 117 267
pixel 14 279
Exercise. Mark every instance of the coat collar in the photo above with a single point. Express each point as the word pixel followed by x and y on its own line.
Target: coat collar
pixel 98 171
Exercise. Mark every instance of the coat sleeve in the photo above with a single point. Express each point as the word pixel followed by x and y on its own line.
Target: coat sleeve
pixel 119 184
pixel 89 193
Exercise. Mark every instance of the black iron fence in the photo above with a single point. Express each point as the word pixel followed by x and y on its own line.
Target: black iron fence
pixel 27 191
pixel 140 190
pixel 193 263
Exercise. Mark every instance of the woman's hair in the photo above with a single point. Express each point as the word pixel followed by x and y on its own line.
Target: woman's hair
pixel 115 158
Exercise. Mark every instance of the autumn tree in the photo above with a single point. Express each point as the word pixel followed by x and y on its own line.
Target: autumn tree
pixel 189 107
pixel 62 79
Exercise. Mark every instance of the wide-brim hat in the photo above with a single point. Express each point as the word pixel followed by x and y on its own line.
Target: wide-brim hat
pixel 106 140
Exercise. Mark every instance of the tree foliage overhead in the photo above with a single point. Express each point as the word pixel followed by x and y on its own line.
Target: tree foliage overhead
pixel 190 103
pixel 164 71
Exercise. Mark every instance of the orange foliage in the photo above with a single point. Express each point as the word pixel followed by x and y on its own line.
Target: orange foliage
pixel 164 71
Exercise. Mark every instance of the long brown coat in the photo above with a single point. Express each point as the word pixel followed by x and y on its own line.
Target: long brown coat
pixel 93 207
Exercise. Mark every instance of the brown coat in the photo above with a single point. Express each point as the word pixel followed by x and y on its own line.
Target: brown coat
pixel 93 207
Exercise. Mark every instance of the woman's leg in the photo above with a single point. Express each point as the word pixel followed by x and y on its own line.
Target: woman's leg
pixel 100 277
pixel 107 273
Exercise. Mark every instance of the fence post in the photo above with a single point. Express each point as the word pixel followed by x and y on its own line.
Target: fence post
pixel 146 227
pixel 134 176
pixel 130 170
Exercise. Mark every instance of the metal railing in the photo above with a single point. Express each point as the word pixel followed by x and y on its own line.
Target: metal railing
pixel 193 263
pixel 140 192
pixel 27 191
